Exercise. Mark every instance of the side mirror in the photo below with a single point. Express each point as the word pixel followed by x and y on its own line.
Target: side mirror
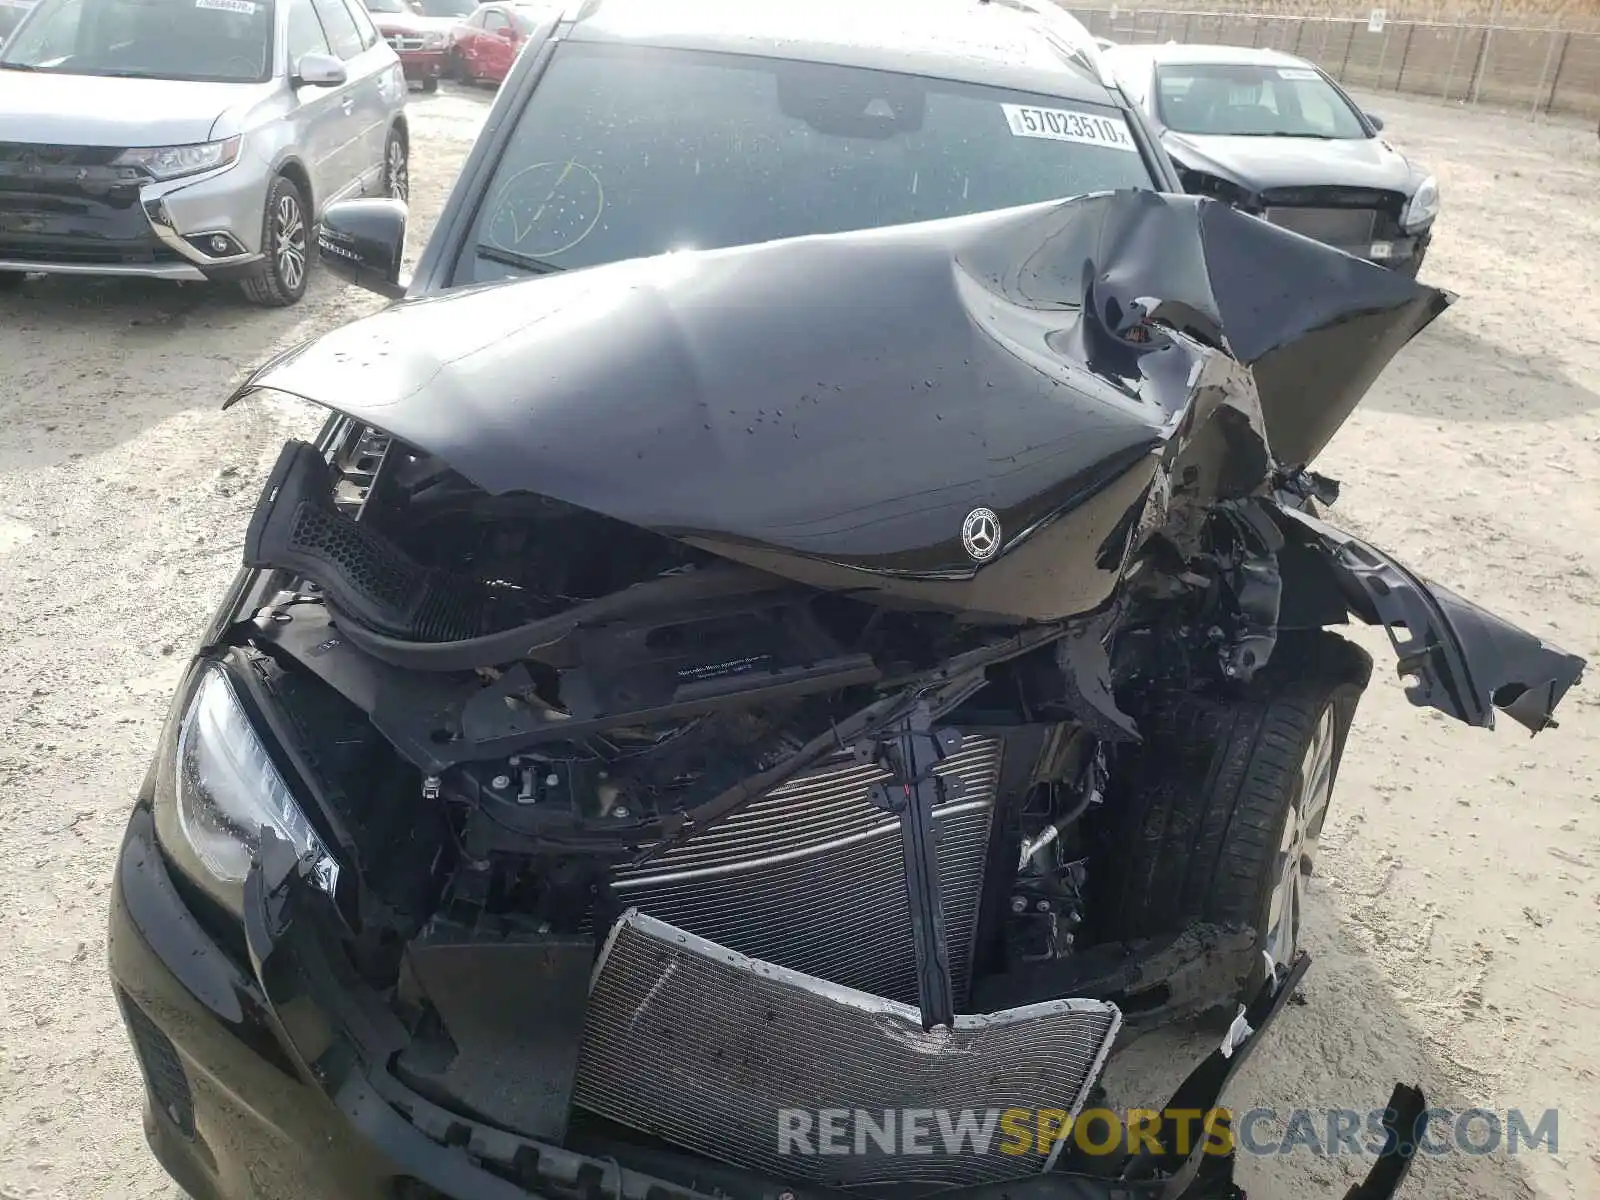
pixel 363 242
pixel 320 70
pixel 1376 121
pixel 508 32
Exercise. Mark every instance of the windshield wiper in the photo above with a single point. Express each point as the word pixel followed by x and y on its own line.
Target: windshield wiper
pixel 1284 133
pixel 5 66
pixel 510 258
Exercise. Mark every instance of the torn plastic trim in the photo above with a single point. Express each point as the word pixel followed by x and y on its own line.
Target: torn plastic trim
pixel 1459 658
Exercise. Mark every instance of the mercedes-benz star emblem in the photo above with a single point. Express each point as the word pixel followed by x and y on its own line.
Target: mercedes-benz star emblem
pixel 980 534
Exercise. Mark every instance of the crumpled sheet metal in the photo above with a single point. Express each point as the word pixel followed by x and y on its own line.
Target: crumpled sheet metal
pixel 1315 326
pixel 1008 355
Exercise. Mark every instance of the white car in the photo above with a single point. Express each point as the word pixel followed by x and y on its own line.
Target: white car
pixel 191 139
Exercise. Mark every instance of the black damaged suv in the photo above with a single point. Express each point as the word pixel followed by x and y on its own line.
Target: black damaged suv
pixel 814 599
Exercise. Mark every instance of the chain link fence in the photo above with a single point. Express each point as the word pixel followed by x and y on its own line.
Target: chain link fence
pixel 1535 70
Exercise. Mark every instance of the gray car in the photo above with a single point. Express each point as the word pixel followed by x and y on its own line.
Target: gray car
pixel 191 139
pixel 1275 136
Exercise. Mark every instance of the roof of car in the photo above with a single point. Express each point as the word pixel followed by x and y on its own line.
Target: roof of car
pixel 1173 53
pixel 975 41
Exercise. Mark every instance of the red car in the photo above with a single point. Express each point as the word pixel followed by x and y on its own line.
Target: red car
pixel 422 42
pixel 488 42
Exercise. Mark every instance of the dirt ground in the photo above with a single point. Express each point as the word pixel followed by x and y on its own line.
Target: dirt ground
pixel 1456 913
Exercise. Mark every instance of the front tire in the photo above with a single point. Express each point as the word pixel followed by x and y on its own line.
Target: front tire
pixel 281 279
pixel 397 166
pixel 430 85
pixel 1217 815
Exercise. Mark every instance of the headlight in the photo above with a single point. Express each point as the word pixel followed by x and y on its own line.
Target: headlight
pixel 433 41
pixel 225 788
pixel 1423 205
pixel 172 162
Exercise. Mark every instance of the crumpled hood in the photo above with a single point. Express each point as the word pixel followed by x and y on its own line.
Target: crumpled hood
pixel 1260 163
pixel 852 397
pixel 89 110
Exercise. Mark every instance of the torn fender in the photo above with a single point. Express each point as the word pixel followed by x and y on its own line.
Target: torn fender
pixel 1457 657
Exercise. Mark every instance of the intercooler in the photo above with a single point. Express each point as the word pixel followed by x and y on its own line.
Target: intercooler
pixel 812 877
pixel 782 1073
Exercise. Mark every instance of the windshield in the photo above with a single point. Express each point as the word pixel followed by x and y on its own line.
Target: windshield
pixel 388 6
pixel 625 152
pixel 1253 101
pixel 447 8
pixel 226 41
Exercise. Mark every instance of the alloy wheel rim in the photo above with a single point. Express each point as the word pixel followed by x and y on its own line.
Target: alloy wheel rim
pixel 399 177
pixel 289 234
pixel 1302 827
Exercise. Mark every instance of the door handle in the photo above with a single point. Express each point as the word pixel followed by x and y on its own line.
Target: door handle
pixel 348 102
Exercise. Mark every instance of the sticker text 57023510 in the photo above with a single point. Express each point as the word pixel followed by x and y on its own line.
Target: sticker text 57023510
pixel 1067 125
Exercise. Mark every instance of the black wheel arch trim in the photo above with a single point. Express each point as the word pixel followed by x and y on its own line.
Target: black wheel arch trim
pixel 1457 657
pixel 291 167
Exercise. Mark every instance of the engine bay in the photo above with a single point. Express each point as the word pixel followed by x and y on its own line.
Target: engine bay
pixel 743 765
pixel 689 750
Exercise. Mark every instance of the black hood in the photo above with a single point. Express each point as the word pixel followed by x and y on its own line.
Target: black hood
pixel 1258 164
pixel 848 400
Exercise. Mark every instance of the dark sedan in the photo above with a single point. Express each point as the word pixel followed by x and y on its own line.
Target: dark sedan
pixel 1273 135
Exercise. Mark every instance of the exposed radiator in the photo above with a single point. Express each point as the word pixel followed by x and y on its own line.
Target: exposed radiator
pixel 811 877
pixel 1335 226
pixel 725 1055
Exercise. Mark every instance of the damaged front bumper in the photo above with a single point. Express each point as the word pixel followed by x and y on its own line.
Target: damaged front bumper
pixel 266 1072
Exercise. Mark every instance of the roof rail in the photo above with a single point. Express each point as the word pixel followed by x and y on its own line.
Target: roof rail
pixel 1066 34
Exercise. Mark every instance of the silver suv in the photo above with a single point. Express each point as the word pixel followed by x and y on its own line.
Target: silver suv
pixel 191 139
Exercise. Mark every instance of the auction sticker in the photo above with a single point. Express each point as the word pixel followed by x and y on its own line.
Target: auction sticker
pixel 238 6
pixel 1297 73
pixel 1065 125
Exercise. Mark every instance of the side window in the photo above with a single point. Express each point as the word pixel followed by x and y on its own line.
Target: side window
pixel 494 20
pixel 343 35
pixel 364 26
pixel 305 33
